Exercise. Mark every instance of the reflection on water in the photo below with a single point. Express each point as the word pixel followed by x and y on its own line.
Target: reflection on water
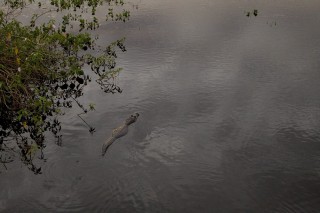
pixel 229 117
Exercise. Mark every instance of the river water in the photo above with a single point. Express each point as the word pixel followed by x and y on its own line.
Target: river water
pixel 229 117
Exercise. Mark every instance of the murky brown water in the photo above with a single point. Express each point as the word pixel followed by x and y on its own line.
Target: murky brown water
pixel 230 117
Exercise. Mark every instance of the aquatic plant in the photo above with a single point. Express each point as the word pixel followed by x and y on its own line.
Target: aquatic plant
pixel 253 12
pixel 42 69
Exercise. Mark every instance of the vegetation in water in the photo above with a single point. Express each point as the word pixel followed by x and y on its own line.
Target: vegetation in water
pixel 251 13
pixel 42 68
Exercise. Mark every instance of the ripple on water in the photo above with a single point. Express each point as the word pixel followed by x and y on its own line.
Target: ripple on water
pixel 119 191
pixel 164 146
pixel 61 180
pixel 301 196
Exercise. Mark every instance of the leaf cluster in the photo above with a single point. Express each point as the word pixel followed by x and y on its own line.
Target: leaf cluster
pixel 42 70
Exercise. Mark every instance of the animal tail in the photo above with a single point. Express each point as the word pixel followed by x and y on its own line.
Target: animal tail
pixel 107 144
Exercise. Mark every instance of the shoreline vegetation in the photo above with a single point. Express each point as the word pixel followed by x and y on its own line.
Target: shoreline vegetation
pixel 42 67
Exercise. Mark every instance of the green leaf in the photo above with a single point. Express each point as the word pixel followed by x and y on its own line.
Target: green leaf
pixel 32 150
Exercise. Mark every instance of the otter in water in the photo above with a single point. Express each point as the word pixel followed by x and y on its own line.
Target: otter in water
pixel 119 132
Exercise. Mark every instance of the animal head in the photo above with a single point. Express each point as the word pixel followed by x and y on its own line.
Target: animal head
pixel 133 118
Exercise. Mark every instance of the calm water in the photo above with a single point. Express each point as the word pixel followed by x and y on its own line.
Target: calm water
pixel 230 117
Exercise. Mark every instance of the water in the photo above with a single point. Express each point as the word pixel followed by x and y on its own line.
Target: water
pixel 229 121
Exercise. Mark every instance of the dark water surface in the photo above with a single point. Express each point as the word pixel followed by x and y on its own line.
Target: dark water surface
pixel 230 117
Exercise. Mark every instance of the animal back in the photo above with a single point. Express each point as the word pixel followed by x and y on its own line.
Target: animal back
pixel 120 131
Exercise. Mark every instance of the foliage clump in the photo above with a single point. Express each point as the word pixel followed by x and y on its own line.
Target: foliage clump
pixel 42 67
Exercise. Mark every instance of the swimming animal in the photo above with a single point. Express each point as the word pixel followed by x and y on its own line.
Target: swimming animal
pixel 118 132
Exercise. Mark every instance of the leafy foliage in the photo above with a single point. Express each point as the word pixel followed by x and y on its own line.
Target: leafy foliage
pixel 42 69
